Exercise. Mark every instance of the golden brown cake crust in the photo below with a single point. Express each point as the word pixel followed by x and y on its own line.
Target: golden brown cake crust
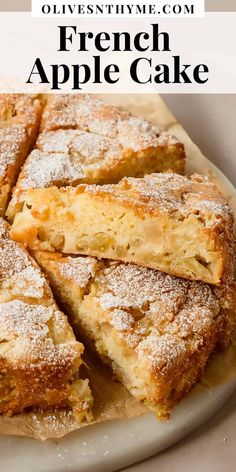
pixel 71 157
pixel 39 356
pixel 19 122
pixel 90 114
pixel 133 135
pixel 172 325
pixel 169 193
pixel 191 209
pixel 21 109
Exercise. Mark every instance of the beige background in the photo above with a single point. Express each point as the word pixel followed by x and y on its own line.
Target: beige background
pixel 211 448
pixel 210 120
pixel 25 5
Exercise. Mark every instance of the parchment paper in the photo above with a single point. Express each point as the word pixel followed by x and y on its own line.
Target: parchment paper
pixel 111 399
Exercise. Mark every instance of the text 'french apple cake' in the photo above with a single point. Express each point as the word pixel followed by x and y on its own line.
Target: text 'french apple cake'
pixel 39 355
pixel 156 331
pixel 19 122
pixel 179 225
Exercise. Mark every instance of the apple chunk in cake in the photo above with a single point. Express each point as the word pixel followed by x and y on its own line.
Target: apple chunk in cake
pixel 176 224
pixel 39 355
pixel 19 121
pixel 156 331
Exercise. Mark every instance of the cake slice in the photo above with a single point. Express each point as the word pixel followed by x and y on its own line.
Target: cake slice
pixel 176 224
pixel 83 140
pixel 142 145
pixel 70 157
pixel 39 355
pixel 156 331
pixel 21 110
pixel 19 122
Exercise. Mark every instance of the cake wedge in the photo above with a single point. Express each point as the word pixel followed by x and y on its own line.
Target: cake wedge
pixel 142 146
pixel 71 157
pixel 19 122
pixel 39 355
pixel 156 332
pixel 83 140
pixel 179 225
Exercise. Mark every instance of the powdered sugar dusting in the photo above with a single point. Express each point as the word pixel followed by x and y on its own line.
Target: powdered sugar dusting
pixel 19 109
pixel 56 141
pixel 171 193
pixel 93 148
pixel 133 286
pixel 29 327
pixel 33 331
pixel 42 170
pixel 20 319
pixel 85 140
pixel 78 269
pixel 67 157
pixel 164 318
pixel 121 320
pixel 17 272
pixel 89 114
pixel 165 352
pixel 137 133
pixel 28 283
pixel 11 140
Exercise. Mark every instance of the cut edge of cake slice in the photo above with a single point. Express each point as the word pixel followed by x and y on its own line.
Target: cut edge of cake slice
pixel 177 224
pixel 155 331
pixel 39 355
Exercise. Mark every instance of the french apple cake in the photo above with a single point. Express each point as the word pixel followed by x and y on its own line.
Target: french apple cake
pixel 156 331
pixel 19 122
pixel 39 355
pixel 179 225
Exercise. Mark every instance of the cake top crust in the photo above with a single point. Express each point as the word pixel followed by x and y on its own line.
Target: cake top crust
pixel 65 157
pixel 78 269
pixel 177 195
pixel 93 115
pixel 11 141
pixel 180 202
pixel 25 328
pixel 19 109
pixel 69 156
pixel 19 120
pixel 161 317
pixel 33 332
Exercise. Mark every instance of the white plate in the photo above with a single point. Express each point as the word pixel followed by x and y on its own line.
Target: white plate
pixel 115 444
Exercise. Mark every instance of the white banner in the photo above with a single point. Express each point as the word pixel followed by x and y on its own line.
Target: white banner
pixel 112 8
pixel 118 55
